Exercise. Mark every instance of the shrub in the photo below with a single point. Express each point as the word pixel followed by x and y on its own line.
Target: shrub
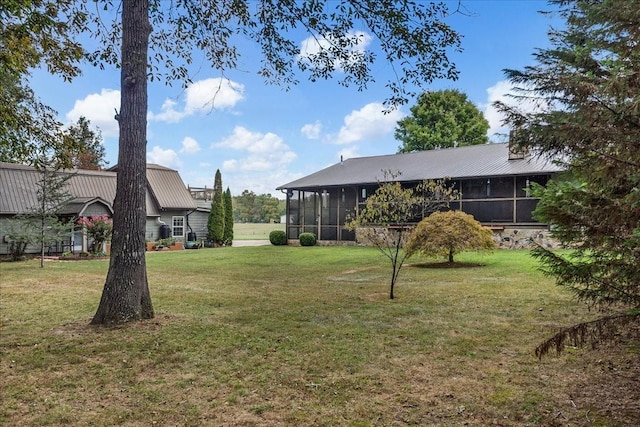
pixel 307 239
pixel 99 228
pixel 278 237
pixel 449 233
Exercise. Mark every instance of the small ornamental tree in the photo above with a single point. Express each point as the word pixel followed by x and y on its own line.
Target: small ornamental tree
pixel 99 228
pixel 448 233
pixel 386 219
pixel 52 197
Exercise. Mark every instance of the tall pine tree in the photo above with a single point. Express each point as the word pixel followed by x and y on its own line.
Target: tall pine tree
pixel 588 86
pixel 215 224
pixel 228 218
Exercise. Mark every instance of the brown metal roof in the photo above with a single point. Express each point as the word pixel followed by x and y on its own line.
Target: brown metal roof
pixel 167 188
pixel 462 162
pixel 18 188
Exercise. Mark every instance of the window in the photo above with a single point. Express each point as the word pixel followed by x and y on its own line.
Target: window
pixel 178 226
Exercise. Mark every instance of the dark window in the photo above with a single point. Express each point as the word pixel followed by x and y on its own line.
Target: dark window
pixel 494 211
pixel 310 213
pixel 294 208
pixel 293 232
pixel 501 187
pixel 524 210
pixel 524 182
pixel 475 188
pixel 328 233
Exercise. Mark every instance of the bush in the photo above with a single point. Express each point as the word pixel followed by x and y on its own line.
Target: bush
pixel 307 239
pixel 278 237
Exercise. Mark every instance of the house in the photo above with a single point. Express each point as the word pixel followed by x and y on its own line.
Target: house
pixel 170 207
pixel 492 178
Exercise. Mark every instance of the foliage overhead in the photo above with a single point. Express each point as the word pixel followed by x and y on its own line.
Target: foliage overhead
pixel 442 119
pixel 412 35
pixel 390 212
pixel 588 92
pixel 449 233
pixel 33 34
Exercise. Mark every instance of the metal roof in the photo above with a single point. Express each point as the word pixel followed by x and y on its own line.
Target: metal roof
pixel 167 188
pixel 455 163
pixel 18 188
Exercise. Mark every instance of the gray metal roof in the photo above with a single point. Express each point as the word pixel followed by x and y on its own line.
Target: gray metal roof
pixel 462 162
pixel 18 188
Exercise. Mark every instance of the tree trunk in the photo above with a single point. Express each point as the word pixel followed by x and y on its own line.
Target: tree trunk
pixel 451 256
pixel 125 296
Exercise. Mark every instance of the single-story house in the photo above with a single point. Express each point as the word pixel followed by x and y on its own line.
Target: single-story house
pixel 171 211
pixel 492 179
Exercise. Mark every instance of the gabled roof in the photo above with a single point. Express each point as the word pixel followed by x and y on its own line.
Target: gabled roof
pixel 18 188
pixel 166 186
pixel 78 205
pixel 462 162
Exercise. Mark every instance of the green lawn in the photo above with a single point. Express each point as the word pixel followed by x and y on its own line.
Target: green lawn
pixel 302 336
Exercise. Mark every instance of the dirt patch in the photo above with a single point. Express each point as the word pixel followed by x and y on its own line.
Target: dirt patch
pixel 446 264
pixel 83 327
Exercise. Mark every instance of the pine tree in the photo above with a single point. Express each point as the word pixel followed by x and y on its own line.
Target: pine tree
pixel 588 90
pixel 216 223
pixel 228 218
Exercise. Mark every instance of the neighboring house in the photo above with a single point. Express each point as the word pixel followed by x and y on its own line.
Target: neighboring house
pixel 169 204
pixel 492 179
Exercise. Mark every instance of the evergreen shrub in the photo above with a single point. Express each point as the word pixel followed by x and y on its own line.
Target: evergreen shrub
pixel 307 239
pixel 278 238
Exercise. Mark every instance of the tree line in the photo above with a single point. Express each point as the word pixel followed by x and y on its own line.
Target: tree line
pixel 252 207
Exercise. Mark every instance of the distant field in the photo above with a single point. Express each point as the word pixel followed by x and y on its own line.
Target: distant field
pixel 249 231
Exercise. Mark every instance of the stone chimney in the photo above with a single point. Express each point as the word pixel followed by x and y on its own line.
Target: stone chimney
pixel 516 152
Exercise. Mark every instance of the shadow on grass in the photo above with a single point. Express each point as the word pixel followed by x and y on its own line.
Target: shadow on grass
pixel 446 264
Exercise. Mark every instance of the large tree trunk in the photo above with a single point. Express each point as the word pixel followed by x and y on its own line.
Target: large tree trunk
pixel 125 296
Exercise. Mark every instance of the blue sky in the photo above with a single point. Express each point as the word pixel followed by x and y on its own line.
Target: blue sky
pixel 261 136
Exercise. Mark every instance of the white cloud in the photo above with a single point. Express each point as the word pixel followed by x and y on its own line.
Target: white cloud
pixel 311 130
pixel 201 97
pixel 209 94
pixel 189 146
pixel 167 158
pixel 168 114
pixel 99 109
pixel 312 46
pixel 369 122
pixel 263 151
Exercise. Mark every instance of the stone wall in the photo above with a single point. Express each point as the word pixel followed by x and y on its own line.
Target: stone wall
pixel 523 238
pixel 505 238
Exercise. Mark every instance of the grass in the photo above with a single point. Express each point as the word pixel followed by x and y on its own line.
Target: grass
pixel 254 231
pixel 291 336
